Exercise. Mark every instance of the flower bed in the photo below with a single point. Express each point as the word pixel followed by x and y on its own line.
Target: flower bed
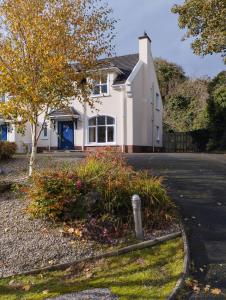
pixel 96 193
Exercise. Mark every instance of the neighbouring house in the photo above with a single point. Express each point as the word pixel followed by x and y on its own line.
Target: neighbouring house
pixel 127 114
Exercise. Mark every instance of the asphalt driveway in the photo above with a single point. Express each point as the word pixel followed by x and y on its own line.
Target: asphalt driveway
pixel 197 183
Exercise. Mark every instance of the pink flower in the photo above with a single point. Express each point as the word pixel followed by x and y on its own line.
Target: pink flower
pixel 78 184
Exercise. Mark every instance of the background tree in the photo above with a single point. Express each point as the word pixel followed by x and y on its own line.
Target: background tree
pixel 184 99
pixel 217 112
pixel 205 22
pixel 169 76
pixel 186 107
pixel 40 42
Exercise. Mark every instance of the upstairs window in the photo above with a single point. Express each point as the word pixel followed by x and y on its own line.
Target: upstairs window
pixel 101 130
pixel 101 86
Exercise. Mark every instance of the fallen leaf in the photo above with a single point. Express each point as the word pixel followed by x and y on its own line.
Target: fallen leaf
pixel 44 230
pixel 215 291
pixel 26 287
pixel 78 232
pixel 12 282
pixel 72 242
pixel 17 285
pixel 89 275
pixel 71 230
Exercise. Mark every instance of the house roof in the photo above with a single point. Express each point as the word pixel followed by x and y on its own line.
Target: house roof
pixel 124 63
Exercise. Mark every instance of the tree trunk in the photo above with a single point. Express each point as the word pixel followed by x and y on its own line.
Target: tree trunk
pixel 33 149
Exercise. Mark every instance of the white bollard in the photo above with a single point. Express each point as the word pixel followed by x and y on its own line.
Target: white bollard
pixel 136 203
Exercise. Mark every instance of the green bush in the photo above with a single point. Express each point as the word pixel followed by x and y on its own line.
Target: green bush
pixel 101 185
pixel 7 149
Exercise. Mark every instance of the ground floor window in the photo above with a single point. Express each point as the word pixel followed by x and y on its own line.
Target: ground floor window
pixel 101 130
pixel 3 132
pixel 157 134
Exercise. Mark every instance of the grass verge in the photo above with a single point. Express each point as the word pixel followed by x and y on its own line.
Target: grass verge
pixel 151 273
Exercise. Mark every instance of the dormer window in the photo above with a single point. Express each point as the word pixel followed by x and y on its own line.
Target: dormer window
pixel 101 86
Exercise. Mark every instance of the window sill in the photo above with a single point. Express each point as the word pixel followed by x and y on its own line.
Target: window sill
pixel 101 96
pixel 100 144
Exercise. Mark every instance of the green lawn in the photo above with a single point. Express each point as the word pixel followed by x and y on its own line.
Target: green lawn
pixel 146 274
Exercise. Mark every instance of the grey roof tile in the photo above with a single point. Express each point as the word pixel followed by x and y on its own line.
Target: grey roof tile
pixel 125 63
pixel 70 112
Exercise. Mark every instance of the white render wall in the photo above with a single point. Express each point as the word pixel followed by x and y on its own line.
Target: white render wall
pixel 144 86
pixel 23 141
pixel 110 105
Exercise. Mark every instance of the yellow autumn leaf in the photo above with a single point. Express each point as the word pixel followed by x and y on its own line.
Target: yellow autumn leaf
pixel 26 287
pixel 215 291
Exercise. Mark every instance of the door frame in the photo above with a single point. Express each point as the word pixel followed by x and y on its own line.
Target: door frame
pixel 59 123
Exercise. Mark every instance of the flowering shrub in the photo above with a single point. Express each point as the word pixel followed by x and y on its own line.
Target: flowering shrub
pixel 101 185
pixel 7 149
pixel 53 192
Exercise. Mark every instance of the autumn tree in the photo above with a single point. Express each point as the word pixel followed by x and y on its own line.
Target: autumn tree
pixel 204 21
pixel 46 49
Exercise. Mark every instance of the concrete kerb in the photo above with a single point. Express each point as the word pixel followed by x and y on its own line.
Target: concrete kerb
pixel 118 252
pixel 181 280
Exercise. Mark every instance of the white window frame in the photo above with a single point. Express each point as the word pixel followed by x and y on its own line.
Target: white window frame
pixel 100 84
pixel 43 136
pixel 96 126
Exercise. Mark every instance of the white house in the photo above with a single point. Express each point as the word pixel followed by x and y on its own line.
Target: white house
pixel 127 114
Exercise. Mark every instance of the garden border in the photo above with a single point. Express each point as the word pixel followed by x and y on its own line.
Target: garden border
pixel 134 247
pixel 181 280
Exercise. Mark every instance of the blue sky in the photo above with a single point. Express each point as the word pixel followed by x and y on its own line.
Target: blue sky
pixel 155 17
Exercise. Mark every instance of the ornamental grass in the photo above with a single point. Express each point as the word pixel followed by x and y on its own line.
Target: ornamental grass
pixel 99 187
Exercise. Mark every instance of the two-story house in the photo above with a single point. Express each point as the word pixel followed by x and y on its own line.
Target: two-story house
pixel 127 114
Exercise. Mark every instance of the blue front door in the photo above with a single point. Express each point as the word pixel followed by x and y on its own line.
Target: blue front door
pixel 3 132
pixel 66 135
